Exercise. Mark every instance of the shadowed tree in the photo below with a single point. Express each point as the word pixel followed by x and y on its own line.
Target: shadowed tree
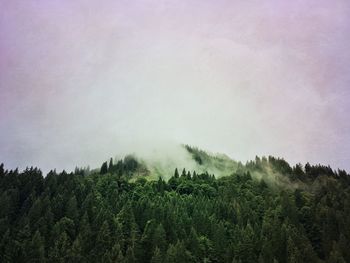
pixel 104 168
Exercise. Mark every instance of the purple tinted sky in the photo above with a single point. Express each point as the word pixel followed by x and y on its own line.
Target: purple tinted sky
pixel 84 80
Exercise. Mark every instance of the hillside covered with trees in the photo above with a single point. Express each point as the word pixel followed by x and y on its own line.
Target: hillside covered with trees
pixel 264 211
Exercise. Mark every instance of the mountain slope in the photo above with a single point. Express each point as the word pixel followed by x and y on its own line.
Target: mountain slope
pixel 263 211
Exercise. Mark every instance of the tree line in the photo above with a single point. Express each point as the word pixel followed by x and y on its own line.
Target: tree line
pixel 104 216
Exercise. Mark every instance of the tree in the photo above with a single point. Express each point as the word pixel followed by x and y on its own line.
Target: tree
pixel 60 251
pixel 219 240
pixel 115 254
pixel 104 168
pixel 76 252
pixel 157 256
pixel 335 255
pixel 88 217
pixel 35 212
pixel 65 225
pixel 176 253
pixel 171 254
pixel 159 238
pixel 103 240
pixel 127 226
pixel 130 255
pixel 72 208
pixel 293 254
pixel 148 239
pixel 161 185
pixel 6 248
pixel 247 247
pixel 22 243
pixel 85 233
pixel 188 175
pixel 37 250
pixel 176 173
pixel 2 171
pixel 110 166
pixel 193 243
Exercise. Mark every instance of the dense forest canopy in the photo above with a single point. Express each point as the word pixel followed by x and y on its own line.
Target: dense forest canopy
pixel 264 211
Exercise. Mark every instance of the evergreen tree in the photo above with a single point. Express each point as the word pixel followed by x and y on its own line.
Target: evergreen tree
pixel 37 249
pixel 335 255
pixel 157 256
pixel 193 244
pixel 72 208
pixel 176 174
pixel 183 174
pixel 177 253
pixel 103 240
pixel 76 252
pixel 60 251
pixel 85 217
pixel 110 166
pixel 130 255
pixel 104 168
pixel 115 254
pixel 159 238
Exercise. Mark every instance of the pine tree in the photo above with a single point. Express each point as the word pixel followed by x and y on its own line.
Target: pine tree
pixel 115 254
pixel 104 168
pixel 293 254
pixel 127 226
pixel 35 212
pixel 130 255
pixel 177 253
pixel 85 233
pixel 2 171
pixel 6 247
pixel 103 240
pixel 22 243
pixel 335 255
pixel 76 252
pixel 193 243
pixel 176 173
pixel 159 238
pixel 246 247
pixel 37 250
pixel 171 254
pixel 72 209
pixel 148 239
pixel 60 251
pixel 110 166
pixel 157 256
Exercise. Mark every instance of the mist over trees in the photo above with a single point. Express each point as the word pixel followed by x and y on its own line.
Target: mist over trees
pixel 265 211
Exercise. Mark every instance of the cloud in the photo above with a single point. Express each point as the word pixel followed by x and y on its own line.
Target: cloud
pixel 83 81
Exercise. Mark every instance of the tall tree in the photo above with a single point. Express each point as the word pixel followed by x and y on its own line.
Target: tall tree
pixel 176 173
pixel 157 256
pixel 37 249
pixel 104 168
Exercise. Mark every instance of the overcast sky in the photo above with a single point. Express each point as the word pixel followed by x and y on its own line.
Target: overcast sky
pixel 84 80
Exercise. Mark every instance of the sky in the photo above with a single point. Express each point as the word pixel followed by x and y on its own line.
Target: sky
pixel 84 80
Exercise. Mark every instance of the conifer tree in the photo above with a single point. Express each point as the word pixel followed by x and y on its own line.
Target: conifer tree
pixel 157 256
pixel 37 249
pixel 104 168
pixel 176 173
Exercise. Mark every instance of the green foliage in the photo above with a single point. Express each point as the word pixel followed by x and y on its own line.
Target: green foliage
pixel 104 168
pixel 193 217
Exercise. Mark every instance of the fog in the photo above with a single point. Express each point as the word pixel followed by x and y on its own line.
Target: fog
pixel 84 81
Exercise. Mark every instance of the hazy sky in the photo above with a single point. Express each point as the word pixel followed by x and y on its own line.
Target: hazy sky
pixel 84 80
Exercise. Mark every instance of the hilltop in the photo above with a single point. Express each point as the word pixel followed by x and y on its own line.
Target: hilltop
pixel 198 207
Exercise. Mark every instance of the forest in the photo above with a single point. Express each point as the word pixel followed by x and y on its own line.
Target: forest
pixel 264 211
